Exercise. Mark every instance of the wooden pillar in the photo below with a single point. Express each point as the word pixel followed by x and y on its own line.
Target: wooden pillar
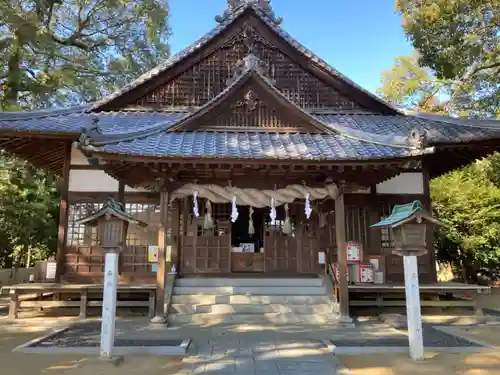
pixel 121 192
pixel 374 236
pixel 430 229
pixel 62 232
pixel 162 247
pixel 342 257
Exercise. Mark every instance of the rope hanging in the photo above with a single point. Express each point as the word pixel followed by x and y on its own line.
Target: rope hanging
pixel 195 204
pixel 287 225
pixel 254 197
pixel 208 222
pixel 272 214
pixel 234 211
pixel 308 209
pixel 251 227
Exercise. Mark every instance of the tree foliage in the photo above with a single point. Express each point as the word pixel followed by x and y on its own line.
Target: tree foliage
pixel 62 52
pixel 468 202
pixel 459 41
pixel 408 85
pixel 28 212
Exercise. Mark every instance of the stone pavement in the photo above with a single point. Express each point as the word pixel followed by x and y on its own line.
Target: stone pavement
pixel 277 357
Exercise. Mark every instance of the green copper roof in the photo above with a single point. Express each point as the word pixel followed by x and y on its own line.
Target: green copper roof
pixel 400 212
pixel 111 207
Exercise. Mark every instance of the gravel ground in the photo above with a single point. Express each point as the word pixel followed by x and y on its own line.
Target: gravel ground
pixel 88 335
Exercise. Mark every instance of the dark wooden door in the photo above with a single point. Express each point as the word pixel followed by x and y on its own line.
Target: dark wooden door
pixel 308 241
pixel 206 251
pixel 280 249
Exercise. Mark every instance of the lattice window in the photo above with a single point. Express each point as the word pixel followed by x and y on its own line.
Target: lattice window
pixel 385 234
pixel 79 234
pixel 208 78
pixel 356 224
pixel 148 213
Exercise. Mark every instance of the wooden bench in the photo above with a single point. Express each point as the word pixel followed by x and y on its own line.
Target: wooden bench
pixel 82 290
pixel 393 295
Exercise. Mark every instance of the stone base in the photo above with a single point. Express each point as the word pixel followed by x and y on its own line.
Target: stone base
pixel 115 360
pixel 396 321
pixel 158 323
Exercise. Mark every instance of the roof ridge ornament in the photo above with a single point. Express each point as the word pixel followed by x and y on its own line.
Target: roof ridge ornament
pixel 248 63
pixel 263 5
pixel 418 137
pixel 89 132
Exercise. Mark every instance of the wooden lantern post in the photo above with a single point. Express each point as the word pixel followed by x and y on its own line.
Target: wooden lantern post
pixel 408 226
pixel 112 222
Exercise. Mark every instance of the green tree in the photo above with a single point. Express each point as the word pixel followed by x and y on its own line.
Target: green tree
pixel 459 41
pixel 55 52
pixel 28 212
pixel 410 86
pixel 468 202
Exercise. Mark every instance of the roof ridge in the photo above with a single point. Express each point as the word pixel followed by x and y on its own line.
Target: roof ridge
pixel 411 142
pixel 267 16
pixel 163 66
pixel 474 123
pixel 97 140
pixel 41 113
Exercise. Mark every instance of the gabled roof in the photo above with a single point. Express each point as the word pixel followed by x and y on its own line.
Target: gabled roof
pixel 403 213
pixel 112 208
pixel 246 6
pixel 252 72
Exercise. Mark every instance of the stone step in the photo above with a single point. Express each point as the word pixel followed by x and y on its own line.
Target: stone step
pixel 250 309
pixel 245 282
pixel 251 290
pixel 200 299
pixel 268 318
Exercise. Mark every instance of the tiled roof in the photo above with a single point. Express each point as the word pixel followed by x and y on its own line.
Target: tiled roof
pixel 446 130
pixel 73 120
pixel 253 145
pixel 114 124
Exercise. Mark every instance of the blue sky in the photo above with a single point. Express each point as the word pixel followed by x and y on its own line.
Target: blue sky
pixel 360 38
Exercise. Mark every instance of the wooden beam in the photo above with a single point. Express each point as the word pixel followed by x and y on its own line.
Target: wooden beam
pixel 160 312
pixel 62 232
pixel 340 235
pixel 430 231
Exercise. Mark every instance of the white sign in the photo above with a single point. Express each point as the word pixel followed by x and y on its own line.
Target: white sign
pixel 321 257
pixel 413 307
pixel 152 254
pixel 109 305
pixel 247 247
pixel 50 271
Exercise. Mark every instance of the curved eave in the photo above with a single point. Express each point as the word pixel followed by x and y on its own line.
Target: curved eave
pixel 108 156
pixel 266 84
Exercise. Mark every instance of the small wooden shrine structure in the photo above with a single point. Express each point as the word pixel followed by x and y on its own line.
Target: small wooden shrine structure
pixel 244 153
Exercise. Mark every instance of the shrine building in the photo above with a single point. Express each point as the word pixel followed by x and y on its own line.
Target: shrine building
pixel 247 155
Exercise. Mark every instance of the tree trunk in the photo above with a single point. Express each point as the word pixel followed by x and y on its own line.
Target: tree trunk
pixel 28 255
pixel 12 86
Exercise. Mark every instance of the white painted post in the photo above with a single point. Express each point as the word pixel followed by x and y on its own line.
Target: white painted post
pixel 413 307
pixel 109 305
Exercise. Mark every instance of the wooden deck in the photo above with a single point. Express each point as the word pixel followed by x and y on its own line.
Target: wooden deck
pixel 80 291
pixel 431 295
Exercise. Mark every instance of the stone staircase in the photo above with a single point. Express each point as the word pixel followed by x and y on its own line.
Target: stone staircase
pixel 202 301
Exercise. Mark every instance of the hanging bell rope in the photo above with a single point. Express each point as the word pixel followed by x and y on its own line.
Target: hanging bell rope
pixel 196 211
pixel 287 225
pixel 255 197
pixel 251 227
pixel 208 222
